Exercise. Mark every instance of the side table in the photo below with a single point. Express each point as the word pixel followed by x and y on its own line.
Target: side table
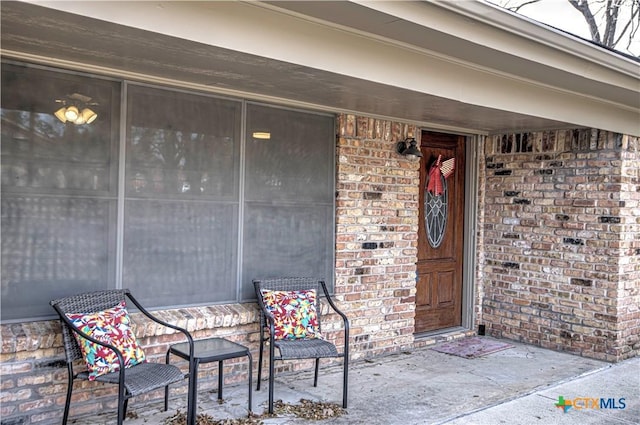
pixel 205 351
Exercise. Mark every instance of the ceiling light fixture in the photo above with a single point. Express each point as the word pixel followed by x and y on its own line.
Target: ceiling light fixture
pixel 75 109
pixel 264 135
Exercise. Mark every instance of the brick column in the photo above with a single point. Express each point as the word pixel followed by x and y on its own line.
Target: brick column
pixel 560 249
pixel 376 233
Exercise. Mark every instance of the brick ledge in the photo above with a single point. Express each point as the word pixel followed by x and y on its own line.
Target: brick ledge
pixel 32 336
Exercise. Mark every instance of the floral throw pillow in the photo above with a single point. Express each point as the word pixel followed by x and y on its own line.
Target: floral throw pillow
pixel 294 313
pixel 112 326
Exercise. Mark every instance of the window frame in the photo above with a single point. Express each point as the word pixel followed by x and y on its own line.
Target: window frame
pixel 119 161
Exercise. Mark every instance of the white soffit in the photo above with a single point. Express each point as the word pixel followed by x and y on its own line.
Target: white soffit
pixel 446 50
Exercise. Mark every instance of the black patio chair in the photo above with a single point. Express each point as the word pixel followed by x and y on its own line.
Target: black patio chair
pixel 298 348
pixel 132 381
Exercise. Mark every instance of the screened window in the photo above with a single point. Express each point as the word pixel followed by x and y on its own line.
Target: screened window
pixel 180 203
pixel 59 190
pixel 288 219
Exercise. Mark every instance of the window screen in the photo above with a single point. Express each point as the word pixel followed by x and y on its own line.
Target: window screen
pixel 288 220
pixel 204 207
pixel 59 190
pixel 181 205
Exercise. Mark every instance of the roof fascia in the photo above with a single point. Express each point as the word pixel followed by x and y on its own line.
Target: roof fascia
pixel 526 27
pixel 500 29
pixel 355 52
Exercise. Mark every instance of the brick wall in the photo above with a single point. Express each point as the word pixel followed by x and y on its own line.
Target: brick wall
pixel 376 233
pixel 629 265
pixel 560 257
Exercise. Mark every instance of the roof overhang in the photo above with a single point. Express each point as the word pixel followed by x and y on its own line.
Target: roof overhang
pixel 465 66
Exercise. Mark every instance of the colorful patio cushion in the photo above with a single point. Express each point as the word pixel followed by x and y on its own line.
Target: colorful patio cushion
pixel 112 326
pixel 294 313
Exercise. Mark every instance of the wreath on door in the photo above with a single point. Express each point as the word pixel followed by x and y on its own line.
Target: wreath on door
pixel 436 200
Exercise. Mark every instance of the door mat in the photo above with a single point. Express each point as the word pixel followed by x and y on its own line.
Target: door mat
pixel 471 348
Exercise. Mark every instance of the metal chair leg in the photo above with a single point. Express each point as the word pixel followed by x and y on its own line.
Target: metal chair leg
pixel 260 363
pixel 121 403
pixel 250 378
pixel 271 374
pixel 166 389
pixel 315 376
pixel 345 381
pixel 68 401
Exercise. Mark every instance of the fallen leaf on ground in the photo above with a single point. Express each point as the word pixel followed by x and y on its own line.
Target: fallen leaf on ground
pixel 180 418
pixel 307 409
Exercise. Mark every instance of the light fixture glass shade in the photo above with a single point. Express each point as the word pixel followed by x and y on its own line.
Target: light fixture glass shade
pixel 79 120
pixel 72 113
pixel 88 115
pixel 60 114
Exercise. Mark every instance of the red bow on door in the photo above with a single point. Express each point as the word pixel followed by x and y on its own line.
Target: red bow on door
pixel 438 168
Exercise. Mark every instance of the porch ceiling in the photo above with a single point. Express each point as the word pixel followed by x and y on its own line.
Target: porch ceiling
pixel 112 45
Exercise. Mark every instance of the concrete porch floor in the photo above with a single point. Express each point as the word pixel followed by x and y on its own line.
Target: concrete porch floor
pixel 519 385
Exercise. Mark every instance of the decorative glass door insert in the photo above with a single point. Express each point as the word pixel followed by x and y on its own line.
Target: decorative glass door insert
pixel 436 200
pixel 435 214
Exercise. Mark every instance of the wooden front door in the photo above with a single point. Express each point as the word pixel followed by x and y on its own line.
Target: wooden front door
pixel 441 236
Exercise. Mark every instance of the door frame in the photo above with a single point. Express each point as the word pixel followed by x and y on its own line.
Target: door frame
pixel 469 248
pixel 470 245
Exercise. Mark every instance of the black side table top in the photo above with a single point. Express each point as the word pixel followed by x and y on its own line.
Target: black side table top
pixel 210 350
